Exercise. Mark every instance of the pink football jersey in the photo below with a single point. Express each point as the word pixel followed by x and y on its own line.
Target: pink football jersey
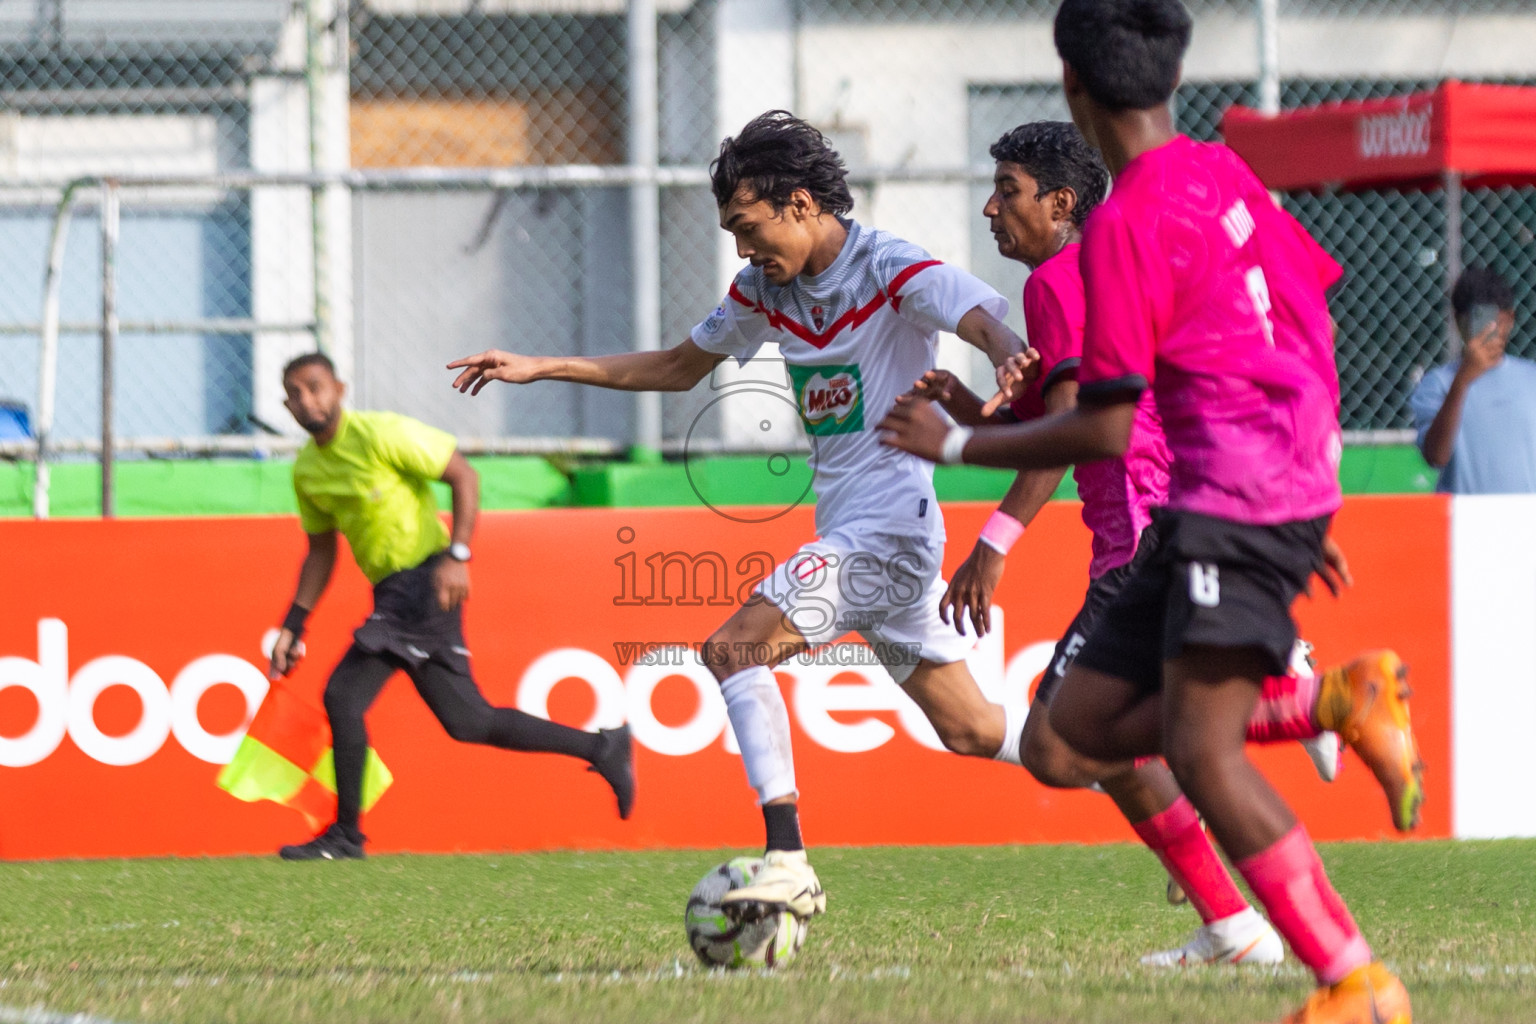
pixel 1117 494
pixel 1203 290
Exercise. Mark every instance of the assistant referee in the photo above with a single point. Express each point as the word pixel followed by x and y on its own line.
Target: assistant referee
pixel 367 475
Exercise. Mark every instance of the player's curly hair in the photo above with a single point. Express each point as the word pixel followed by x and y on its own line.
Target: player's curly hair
pixel 1056 155
pixel 1480 286
pixel 775 154
pixel 1126 52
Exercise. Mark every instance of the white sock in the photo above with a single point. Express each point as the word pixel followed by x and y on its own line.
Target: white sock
pixel 761 723
pixel 1013 732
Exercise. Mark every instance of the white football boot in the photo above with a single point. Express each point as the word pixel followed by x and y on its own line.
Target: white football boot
pixel 1243 938
pixel 786 881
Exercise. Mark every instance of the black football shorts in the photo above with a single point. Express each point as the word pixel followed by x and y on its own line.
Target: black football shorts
pixel 1210 582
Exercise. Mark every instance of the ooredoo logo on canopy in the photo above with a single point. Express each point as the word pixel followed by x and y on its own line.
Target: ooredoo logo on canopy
pixel 1405 133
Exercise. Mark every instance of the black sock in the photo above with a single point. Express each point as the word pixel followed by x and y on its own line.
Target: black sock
pixel 459 705
pixel 783 821
pixel 517 730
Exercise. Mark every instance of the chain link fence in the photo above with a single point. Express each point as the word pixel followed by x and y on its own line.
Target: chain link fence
pixel 220 280
pixel 1391 305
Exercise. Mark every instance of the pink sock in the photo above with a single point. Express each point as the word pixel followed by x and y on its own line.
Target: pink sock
pixel 1284 711
pixel 1288 878
pixel 1175 835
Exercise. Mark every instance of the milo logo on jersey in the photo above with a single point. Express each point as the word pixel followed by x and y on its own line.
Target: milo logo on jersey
pixel 831 398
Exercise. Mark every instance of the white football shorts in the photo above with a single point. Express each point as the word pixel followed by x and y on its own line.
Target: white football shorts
pixel 884 587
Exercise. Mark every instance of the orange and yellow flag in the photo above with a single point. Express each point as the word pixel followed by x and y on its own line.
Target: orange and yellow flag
pixel 285 757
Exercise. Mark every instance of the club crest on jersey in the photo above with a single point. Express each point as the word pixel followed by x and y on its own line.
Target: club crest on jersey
pixel 818 317
pixel 831 398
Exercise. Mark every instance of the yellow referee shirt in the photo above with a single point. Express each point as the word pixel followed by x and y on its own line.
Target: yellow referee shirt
pixel 371 484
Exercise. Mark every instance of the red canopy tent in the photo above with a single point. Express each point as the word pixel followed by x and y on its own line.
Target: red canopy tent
pixel 1486 134
pixel 1456 136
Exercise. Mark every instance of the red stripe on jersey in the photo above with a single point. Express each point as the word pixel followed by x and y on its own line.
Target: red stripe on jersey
pixel 776 319
pixel 905 276
pixel 849 320
pixel 806 569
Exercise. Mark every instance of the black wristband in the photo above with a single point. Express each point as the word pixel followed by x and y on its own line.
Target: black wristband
pixel 293 622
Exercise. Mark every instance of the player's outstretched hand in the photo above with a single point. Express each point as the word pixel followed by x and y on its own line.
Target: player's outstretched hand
pixel 1015 374
pixel 451 579
pixel 915 426
pixel 480 370
pixel 1334 572
pixel 970 592
pixel 962 404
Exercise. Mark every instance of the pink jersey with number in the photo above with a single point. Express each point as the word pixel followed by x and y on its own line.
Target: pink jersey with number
pixel 1206 292
pixel 1117 494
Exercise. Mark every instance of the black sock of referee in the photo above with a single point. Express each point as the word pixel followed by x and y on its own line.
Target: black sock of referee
pixel 459 705
pixel 783 821
pixel 512 729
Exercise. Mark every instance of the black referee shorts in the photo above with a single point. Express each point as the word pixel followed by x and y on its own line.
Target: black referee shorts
pixel 1210 582
pixel 408 623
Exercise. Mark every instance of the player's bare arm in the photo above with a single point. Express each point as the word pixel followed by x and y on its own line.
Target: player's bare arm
pixel 1016 364
pixel 970 590
pixel 1088 432
pixel 314 576
pixel 962 404
pixel 451 576
pixel 674 369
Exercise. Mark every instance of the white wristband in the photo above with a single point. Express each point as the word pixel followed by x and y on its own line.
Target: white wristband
pixel 954 445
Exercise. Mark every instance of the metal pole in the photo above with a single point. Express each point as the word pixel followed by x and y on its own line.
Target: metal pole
pixel 1452 183
pixel 314 72
pixel 48 356
pixel 109 230
pixel 645 211
pixel 1269 55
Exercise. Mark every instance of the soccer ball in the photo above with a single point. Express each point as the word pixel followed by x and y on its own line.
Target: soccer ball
pixel 720 942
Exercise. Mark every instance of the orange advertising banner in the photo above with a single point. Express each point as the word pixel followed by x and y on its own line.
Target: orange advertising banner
pixel 130 663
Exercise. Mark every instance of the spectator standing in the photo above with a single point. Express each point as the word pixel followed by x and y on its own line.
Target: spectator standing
pixel 1476 418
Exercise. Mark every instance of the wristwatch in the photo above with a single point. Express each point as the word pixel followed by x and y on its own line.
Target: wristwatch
pixel 458 552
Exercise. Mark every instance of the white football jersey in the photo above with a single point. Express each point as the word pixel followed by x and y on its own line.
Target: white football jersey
pixel 853 338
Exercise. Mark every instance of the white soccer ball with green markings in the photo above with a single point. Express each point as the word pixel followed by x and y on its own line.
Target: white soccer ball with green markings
pixel 719 942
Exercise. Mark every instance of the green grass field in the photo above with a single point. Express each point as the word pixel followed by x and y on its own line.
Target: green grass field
pixel 912 934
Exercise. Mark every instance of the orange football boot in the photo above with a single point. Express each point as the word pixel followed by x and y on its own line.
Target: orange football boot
pixel 1367 995
pixel 1366 703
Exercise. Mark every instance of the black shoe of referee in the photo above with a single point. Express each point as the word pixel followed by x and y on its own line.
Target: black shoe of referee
pixel 332 844
pixel 615 762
